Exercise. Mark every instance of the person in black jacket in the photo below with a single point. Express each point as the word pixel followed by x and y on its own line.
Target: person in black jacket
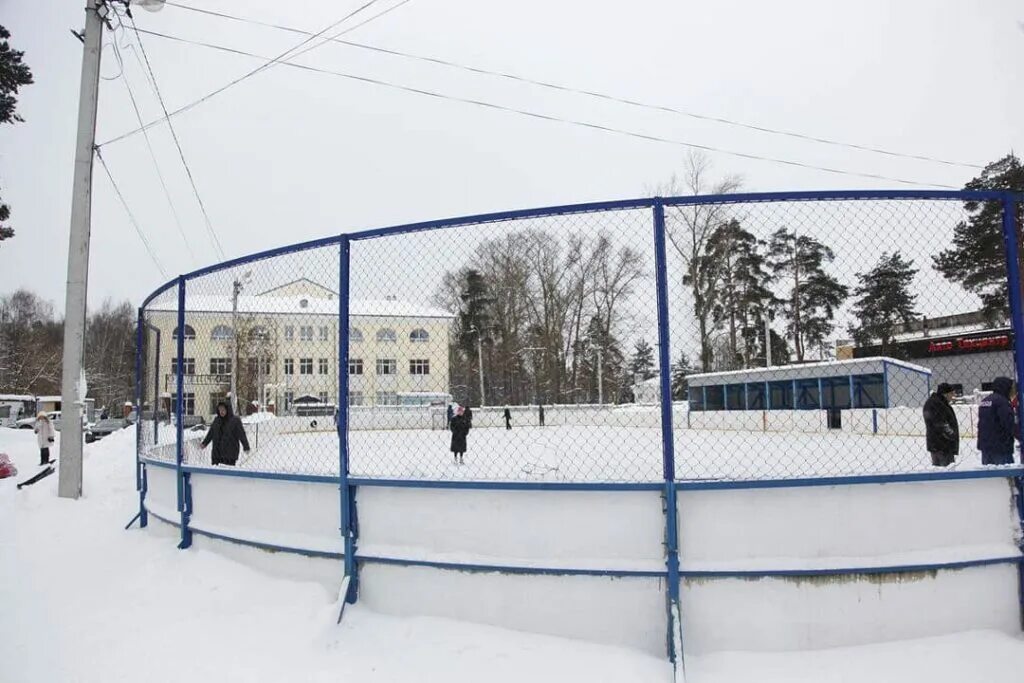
pixel 996 424
pixel 508 418
pixel 225 433
pixel 942 431
pixel 460 429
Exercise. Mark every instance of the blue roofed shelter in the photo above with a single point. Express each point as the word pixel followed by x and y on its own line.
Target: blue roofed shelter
pixel 859 383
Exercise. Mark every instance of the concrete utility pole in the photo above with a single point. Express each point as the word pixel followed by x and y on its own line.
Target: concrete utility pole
pixel 600 375
pixel 236 288
pixel 480 366
pixel 70 480
pixel 767 341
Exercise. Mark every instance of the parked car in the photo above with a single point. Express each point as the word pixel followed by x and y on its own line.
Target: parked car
pixel 30 422
pixel 104 428
pixel 193 423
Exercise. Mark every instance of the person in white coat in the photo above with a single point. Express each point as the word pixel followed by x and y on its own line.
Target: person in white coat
pixel 45 436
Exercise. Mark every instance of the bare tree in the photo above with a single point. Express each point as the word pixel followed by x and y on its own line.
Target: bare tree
pixel 689 230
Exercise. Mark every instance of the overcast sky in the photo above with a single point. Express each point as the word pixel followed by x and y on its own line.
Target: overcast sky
pixel 289 155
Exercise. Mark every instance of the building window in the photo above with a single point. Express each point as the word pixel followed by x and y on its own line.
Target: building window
pixel 220 366
pixel 807 395
pixel 323 367
pixel 322 395
pixel 355 366
pixel 289 366
pixel 289 332
pixel 306 333
pixel 259 334
pixel 387 398
pixel 387 366
pixel 386 335
pixel 222 333
pixel 188 403
pixel 714 397
pixel 420 336
pixel 755 396
pixel 188 367
pixel 355 335
pixel 190 333
pixel 305 366
pixel 869 391
pixel 355 398
pixel 289 398
pixel 780 395
pixel 325 333
pixel 419 366
pixel 735 397
pixel 255 363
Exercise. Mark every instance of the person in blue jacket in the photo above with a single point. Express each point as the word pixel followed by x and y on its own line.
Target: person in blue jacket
pixel 996 426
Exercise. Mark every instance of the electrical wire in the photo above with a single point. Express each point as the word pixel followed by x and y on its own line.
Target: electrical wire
pixel 156 165
pixel 596 94
pixel 270 62
pixel 177 143
pixel 131 216
pixel 548 117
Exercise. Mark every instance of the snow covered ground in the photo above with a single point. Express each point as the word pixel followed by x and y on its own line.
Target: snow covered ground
pixel 580 453
pixel 84 600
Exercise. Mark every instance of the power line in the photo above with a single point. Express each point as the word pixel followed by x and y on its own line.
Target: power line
pixel 131 216
pixel 548 117
pixel 152 155
pixel 270 62
pixel 177 143
pixel 596 94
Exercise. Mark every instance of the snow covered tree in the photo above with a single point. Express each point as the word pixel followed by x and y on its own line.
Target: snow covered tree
pixel 13 74
pixel 641 365
pixel 977 259
pixel 884 301
pixel 812 295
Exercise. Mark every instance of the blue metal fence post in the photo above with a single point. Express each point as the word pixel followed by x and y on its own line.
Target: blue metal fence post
pixel 668 444
pixel 184 495
pixel 1013 274
pixel 347 499
pixel 140 337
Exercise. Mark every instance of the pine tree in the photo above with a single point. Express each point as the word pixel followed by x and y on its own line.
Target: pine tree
pixel 474 321
pixel 13 74
pixel 641 365
pixel 884 301
pixel 813 296
pixel 977 259
pixel 681 369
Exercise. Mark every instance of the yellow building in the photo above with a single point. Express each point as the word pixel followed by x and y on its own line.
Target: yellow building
pixel 287 350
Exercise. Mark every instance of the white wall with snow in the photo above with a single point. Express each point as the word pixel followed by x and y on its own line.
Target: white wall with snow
pixel 162 492
pixel 823 612
pixel 293 514
pixel 579 529
pixel 627 612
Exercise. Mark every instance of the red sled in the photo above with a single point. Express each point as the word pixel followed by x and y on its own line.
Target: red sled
pixel 7 468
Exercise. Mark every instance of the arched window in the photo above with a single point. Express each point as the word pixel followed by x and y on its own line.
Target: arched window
pixel 355 335
pixel 222 333
pixel 190 333
pixel 386 334
pixel 420 336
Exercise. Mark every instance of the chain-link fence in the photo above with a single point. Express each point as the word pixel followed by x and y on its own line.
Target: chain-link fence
pixel 798 336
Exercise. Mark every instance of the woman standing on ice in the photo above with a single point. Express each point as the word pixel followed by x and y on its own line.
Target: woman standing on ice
pixel 225 433
pixel 45 436
pixel 460 429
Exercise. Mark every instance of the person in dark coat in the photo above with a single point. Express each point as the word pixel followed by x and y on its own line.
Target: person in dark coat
pixel 508 418
pixel 450 413
pixel 942 430
pixel 996 427
pixel 225 433
pixel 460 429
pixel 540 414
pixel 469 416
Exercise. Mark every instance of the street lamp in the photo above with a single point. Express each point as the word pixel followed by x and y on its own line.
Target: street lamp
pixel 480 365
pixel 236 289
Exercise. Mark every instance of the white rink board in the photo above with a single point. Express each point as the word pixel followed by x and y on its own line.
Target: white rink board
pixel 846 526
pixel 627 612
pixel 775 614
pixel 162 492
pixel 577 529
pixel 292 514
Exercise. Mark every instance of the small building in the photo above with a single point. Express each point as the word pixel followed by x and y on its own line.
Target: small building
pixel 860 383
pixel 963 349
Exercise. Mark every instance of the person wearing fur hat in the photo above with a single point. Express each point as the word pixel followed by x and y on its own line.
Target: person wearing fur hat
pixel 942 430
pixel 460 429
